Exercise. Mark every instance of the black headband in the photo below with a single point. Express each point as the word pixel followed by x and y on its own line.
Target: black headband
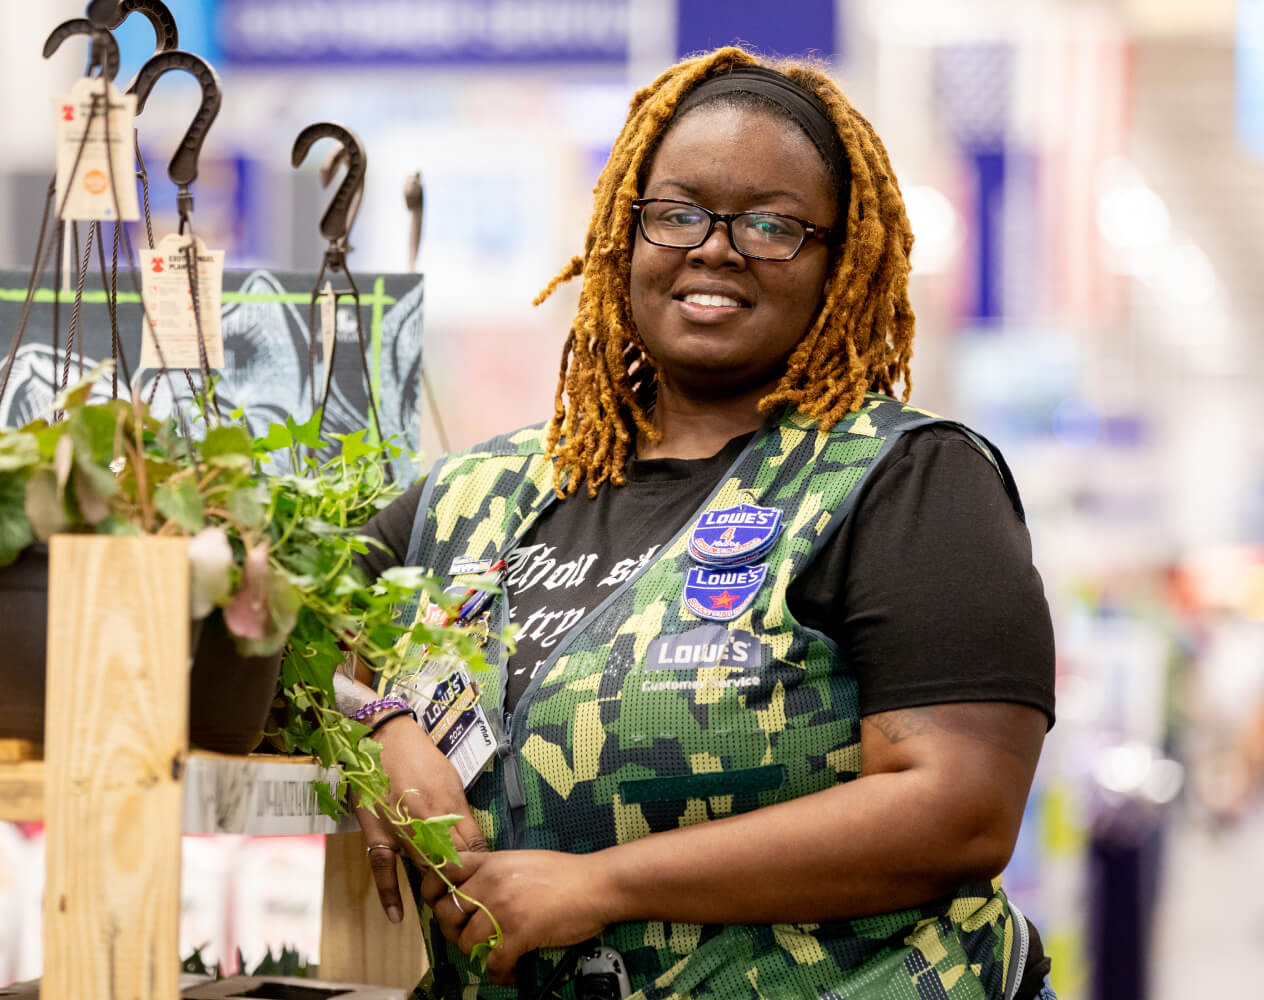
pixel 803 107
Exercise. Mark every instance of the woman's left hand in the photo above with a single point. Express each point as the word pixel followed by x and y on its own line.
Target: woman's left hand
pixel 540 899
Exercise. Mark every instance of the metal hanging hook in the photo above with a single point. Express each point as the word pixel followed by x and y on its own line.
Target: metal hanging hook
pixel 183 169
pixel 160 18
pixel 166 35
pixel 104 13
pixel 337 159
pixel 335 224
pixel 105 53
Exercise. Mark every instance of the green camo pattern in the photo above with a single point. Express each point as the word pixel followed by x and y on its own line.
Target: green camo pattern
pixel 602 759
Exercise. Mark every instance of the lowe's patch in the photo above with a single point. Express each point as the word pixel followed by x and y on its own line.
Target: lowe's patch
pixel 722 594
pixel 733 536
pixel 704 646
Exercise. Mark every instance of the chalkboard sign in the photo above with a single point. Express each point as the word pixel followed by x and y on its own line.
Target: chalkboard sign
pixel 266 344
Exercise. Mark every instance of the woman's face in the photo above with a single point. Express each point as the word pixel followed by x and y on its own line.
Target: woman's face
pixel 731 160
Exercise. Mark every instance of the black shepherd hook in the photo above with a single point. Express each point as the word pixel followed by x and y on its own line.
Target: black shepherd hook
pixel 156 12
pixel 160 18
pixel 337 159
pixel 104 54
pixel 183 168
pixel 335 225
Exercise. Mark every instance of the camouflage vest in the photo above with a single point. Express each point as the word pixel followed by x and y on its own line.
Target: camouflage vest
pixel 602 750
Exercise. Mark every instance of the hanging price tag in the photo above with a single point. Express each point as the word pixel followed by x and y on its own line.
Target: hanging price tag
pixel 328 330
pixel 169 304
pixel 88 192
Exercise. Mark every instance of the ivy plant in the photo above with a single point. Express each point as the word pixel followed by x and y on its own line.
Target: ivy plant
pixel 274 552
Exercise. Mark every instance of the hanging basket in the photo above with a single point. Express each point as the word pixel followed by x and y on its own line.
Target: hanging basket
pixel 229 694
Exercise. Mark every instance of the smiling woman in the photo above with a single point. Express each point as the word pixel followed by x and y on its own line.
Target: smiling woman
pixel 783 667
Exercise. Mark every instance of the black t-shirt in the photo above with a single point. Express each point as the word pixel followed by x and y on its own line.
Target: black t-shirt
pixel 927 588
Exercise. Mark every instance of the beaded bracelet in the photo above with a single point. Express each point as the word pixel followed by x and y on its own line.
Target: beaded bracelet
pixel 373 707
pixel 388 717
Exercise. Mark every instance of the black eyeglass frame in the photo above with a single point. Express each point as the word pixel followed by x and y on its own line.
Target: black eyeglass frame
pixel 810 229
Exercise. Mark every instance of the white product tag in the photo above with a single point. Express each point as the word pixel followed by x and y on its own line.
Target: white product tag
pixel 88 193
pixel 169 304
pixel 328 333
pixel 446 702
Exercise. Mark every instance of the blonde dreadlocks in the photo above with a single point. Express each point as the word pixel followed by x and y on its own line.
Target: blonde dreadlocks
pixel 861 340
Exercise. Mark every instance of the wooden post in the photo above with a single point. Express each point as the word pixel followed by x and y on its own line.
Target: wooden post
pixel 116 722
pixel 357 943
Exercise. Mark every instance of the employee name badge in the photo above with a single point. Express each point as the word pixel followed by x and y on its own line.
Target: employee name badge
pixel 445 699
pixel 88 194
pixel 168 302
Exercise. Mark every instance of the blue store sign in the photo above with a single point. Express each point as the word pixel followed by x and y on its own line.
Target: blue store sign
pixel 801 28
pixel 423 32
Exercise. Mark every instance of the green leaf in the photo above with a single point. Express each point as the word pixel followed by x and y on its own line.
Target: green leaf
pixel 48 435
pixel 94 507
pixel 354 447
pixel 75 396
pixel 433 838
pixel 479 953
pixel 44 506
pixel 248 506
pixel 180 502
pixel 18 450
pixel 234 463
pixel 115 525
pixel 307 433
pixel 226 440
pixel 278 438
pixel 329 805
pixel 16 532
pixel 92 429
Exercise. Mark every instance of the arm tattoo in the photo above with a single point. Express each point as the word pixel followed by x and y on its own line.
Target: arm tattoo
pixel 978 722
pixel 900 725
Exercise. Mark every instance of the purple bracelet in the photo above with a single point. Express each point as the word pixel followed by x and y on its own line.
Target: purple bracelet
pixel 373 707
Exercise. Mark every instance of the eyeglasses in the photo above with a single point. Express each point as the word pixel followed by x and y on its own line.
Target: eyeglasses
pixel 682 225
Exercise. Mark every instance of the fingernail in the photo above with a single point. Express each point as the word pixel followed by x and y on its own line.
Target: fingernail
pixel 394 914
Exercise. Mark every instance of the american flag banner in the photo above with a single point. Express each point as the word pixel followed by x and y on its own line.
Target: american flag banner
pixel 973 89
pixel 1078 108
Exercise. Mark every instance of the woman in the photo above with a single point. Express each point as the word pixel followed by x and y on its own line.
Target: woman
pixel 784 667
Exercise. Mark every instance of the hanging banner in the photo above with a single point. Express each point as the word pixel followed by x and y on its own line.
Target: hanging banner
pixel 264 320
pixel 808 27
pixel 422 32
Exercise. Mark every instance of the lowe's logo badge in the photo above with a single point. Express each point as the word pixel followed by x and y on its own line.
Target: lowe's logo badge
pixel 733 536
pixel 702 647
pixel 722 594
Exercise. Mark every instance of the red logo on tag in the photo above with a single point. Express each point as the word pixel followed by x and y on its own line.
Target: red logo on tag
pixel 156 266
pixel 67 112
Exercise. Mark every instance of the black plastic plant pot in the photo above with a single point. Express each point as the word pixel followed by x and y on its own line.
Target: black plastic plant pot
pixel 23 637
pixel 229 694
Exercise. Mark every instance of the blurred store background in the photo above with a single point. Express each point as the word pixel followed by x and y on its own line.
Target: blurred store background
pixel 1086 182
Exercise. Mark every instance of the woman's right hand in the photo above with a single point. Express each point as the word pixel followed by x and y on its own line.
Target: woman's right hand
pixel 430 787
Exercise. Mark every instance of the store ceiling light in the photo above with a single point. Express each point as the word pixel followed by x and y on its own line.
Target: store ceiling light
pixel 937 224
pixel 1133 217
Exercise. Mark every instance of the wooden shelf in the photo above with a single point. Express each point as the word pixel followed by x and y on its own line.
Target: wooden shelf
pixel 260 795
pixel 117 786
pixel 22 791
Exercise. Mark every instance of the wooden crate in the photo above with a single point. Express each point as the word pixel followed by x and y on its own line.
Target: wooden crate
pixel 112 785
